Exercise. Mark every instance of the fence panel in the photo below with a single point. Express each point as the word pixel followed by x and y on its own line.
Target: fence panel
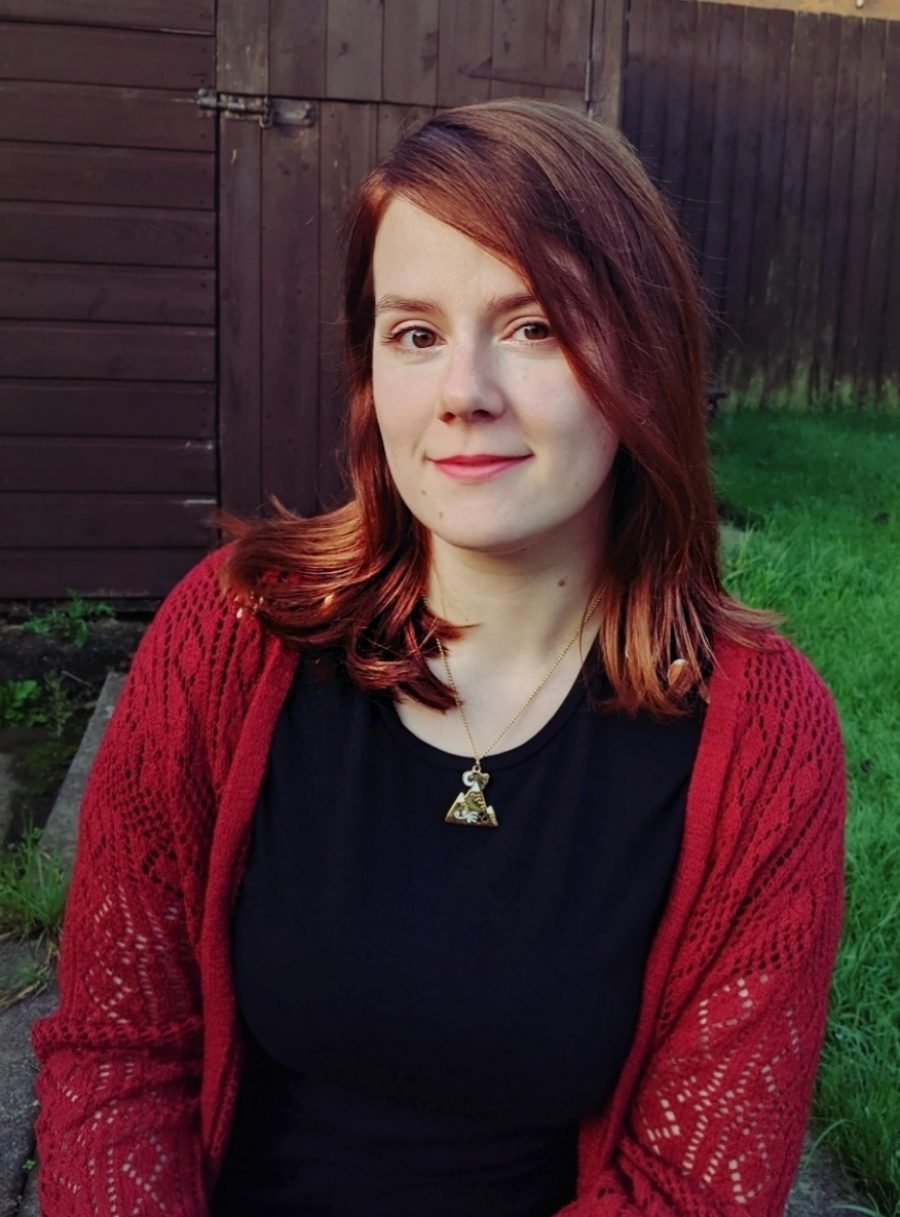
pixel 775 135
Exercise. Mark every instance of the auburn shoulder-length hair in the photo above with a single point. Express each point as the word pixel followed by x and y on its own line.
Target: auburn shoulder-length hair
pixel 565 202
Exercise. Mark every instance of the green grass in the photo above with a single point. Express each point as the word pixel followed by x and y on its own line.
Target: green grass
pixel 32 890
pixel 821 497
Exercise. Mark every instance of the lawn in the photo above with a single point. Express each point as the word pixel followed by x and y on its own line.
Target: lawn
pixel 820 496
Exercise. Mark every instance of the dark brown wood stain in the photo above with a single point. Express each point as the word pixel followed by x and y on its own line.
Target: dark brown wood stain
pixel 170 275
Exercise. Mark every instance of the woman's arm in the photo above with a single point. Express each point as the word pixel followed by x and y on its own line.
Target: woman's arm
pixel 717 1119
pixel 118 1130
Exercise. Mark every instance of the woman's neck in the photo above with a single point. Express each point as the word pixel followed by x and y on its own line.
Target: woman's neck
pixel 515 611
pixel 519 651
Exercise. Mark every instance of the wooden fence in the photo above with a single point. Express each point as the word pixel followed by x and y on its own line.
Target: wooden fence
pixel 776 136
pixel 169 262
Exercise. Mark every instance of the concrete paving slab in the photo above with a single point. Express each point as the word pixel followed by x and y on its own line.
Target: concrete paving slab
pixel 61 833
pixel 822 1188
pixel 29 1206
pixel 17 1103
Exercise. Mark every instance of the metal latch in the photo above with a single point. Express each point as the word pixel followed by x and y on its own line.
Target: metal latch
pixel 270 111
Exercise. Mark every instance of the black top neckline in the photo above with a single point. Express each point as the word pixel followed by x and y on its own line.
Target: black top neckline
pixel 506 758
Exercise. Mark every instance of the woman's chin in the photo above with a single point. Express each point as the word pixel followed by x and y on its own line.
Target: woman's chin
pixel 501 544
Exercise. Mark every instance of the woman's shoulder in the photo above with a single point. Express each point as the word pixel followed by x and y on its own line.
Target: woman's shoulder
pixel 782 719
pixel 192 613
pixel 198 594
pixel 772 679
pixel 201 636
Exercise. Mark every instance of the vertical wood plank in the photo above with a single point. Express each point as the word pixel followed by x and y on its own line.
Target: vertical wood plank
pixel 348 152
pixel 239 315
pixel 464 52
pixel 354 45
pixel 835 251
pixel 724 147
pixel 567 52
pixel 679 74
pixel 782 293
pixel 609 56
pixel 886 325
pixel 702 129
pixel 297 48
pixel 566 47
pixel 410 51
pixel 290 312
pixel 394 122
pixel 651 139
pixel 744 193
pixel 242 46
pixel 635 65
pixel 518 47
pixel 827 40
pixel 776 38
pixel 876 330
pixel 862 201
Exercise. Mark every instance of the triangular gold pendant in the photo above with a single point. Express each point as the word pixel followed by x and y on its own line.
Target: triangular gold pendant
pixel 471 808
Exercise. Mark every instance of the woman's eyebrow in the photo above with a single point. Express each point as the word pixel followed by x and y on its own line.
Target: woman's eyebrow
pixel 404 304
pixel 495 306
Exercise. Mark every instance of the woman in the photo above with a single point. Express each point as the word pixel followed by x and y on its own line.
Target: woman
pixel 466 850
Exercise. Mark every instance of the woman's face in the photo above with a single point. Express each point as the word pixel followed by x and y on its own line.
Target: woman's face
pixel 491 442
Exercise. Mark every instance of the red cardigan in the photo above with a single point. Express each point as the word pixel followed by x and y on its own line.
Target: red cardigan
pixel 140 1064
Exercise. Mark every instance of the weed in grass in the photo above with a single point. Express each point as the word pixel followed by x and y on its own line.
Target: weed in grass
pixel 59 706
pixel 826 497
pixel 71 621
pixel 26 981
pixel 20 704
pixel 32 890
pixel 32 703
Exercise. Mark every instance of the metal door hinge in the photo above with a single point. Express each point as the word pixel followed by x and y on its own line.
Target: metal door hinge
pixel 269 111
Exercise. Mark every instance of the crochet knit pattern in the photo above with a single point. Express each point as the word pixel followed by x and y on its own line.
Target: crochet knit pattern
pixel 140 1064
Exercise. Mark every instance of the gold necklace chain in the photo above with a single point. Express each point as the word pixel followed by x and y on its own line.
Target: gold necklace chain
pixel 471 807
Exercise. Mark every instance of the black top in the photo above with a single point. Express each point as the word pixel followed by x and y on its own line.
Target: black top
pixel 430 1008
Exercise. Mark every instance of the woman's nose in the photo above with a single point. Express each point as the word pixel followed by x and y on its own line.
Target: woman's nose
pixel 470 386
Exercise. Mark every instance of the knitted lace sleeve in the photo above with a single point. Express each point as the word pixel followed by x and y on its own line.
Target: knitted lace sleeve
pixel 715 1122
pixel 118 1129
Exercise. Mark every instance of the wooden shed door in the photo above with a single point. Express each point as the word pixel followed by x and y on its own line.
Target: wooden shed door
pixel 310 96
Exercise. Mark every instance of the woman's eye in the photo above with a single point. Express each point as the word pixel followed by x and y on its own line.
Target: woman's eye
pixel 534 331
pixel 416 338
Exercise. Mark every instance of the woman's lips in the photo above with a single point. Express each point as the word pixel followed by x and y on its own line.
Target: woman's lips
pixel 477 468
